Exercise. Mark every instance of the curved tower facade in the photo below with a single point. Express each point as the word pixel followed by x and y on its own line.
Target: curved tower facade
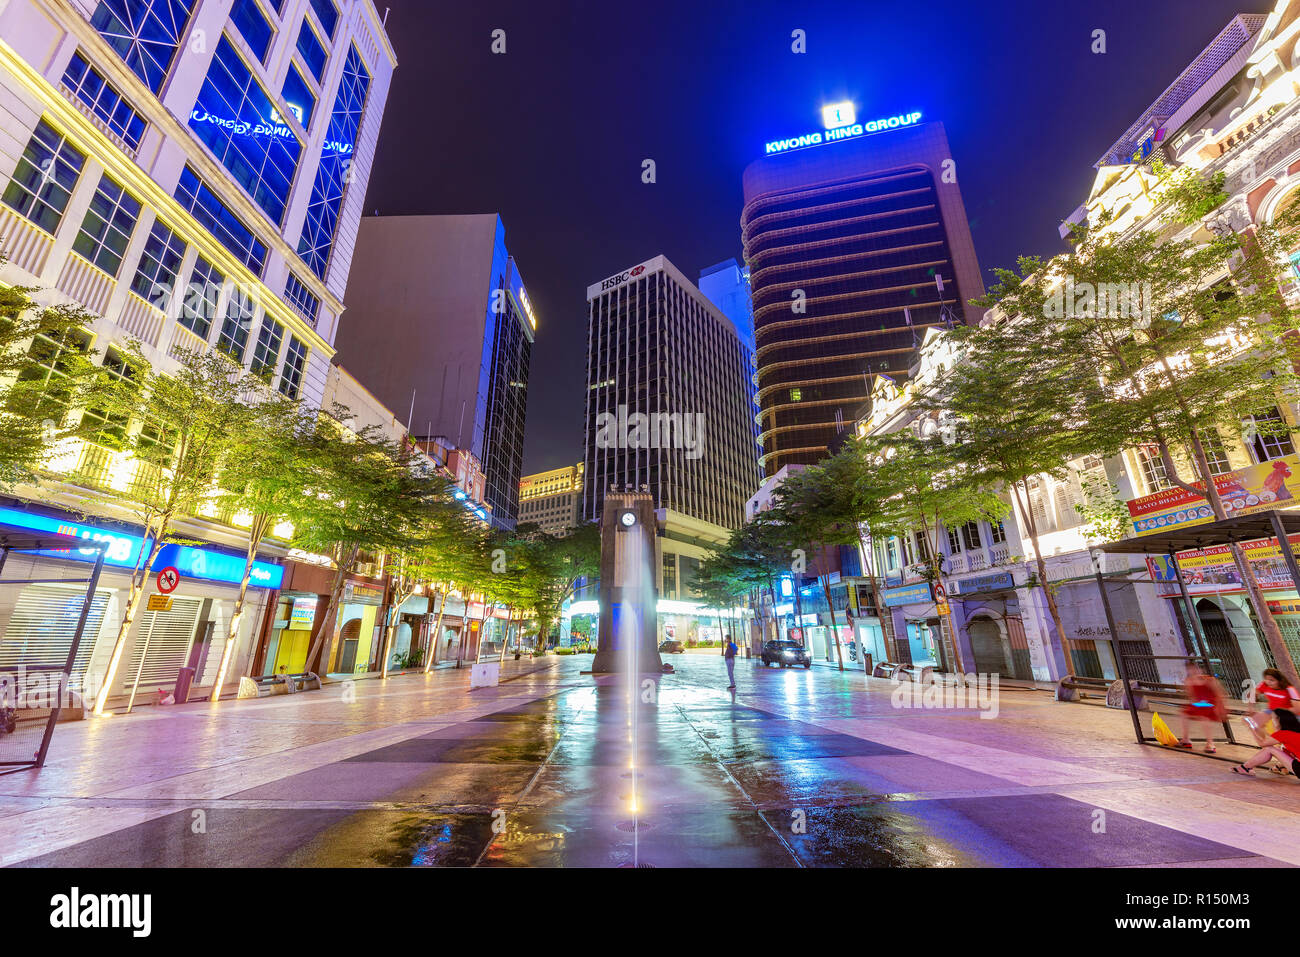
pixel 855 246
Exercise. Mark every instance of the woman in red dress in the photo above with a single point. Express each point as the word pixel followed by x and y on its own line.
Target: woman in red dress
pixel 1283 745
pixel 1204 703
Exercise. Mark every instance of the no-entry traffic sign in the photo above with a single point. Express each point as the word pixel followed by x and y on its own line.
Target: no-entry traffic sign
pixel 168 579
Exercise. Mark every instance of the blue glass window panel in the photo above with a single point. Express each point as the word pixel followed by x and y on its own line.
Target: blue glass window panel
pixel 327 14
pixel 106 230
pixel 216 218
pixel 155 278
pixel 266 354
pixel 144 33
pixel 313 54
pixel 326 200
pixel 295 360
pixel 236 120
pixel 44 177
pixel 298 94
pixel 251 23
pixel 104 100
pixel 235 325
pixel 303 302
pixel 199 307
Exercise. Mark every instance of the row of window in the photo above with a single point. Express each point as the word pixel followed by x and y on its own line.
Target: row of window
pixel 233 115
pixel 1267 439
pixel 40 189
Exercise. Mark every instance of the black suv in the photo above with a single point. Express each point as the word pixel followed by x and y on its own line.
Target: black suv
pixel 785 654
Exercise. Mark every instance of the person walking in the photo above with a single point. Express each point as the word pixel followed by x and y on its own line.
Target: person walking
pixel 729 653
pixel 1204 703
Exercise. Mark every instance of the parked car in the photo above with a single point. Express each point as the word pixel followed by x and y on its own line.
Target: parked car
pixel 671 646
pixel 785 654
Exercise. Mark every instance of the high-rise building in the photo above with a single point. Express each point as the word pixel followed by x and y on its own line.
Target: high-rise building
pixel 668 397
pixel 191 174
pixel 552 500
pixel 856 242
pixel 726 284
pixel 441 330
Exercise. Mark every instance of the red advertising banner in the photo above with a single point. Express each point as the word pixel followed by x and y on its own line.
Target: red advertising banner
pixel 1252 489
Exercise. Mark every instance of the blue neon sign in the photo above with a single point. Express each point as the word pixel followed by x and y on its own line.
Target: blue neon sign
pixel 843 132
pixel 124 551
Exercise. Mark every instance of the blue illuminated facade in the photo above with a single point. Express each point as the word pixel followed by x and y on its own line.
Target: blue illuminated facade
pixel 236 119
pixel 145 33
pixel 331 179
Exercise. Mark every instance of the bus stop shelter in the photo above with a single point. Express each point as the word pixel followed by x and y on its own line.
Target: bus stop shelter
pixel 33 691
pixel 1229 531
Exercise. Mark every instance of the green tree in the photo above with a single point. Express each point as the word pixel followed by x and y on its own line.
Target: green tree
pixel 176 429
pixel 1190 338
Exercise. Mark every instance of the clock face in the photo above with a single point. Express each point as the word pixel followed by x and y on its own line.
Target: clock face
pixel 628 519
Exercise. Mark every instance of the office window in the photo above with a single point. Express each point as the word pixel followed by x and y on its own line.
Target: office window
pixel 1153 470
pixel 144 33
pixel 298 97
pixel 327 14
pixel 303 302
pixel 201 298
pixel 972 532
pixel 89 86
pixel 267 351
pixel 217 218
pixel 236 120
pixel 1271 437
pixel 1216 456
pixel 44 177
pixel 235 326
pixel 106 230
pixel 155 279
pixel 954 541
pixel 997 532
pixel 295 360
pixel 251 23
pixel 51 356
pixel 109 428
pixel 313 53
pixel 327 192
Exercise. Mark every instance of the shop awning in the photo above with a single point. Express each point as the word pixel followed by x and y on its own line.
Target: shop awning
pixel 1244 528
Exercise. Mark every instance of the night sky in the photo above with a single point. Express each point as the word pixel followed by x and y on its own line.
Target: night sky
pixel 552 134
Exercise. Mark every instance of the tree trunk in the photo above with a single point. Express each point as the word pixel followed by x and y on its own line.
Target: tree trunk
pixel 326 633
pixel 1027 514
pixel 437 634
pixel 256 532
pixel 134 595
pixel 1255 594
pixel 835 632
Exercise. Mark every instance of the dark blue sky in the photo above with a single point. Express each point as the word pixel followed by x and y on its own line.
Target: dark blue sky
pixel 552 134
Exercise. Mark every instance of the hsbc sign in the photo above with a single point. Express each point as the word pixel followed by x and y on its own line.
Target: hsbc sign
pixel 617 280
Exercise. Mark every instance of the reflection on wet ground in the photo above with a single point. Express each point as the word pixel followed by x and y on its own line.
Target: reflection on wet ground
pixel 553 781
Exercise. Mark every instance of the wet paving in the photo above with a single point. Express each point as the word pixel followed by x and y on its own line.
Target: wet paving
pixel 565 771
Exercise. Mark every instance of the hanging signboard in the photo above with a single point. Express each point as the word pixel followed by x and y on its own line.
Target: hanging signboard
pixel 1256 488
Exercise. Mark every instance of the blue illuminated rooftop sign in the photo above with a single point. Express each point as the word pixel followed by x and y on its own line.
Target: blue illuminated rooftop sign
pixel 838 113
pixel 124 551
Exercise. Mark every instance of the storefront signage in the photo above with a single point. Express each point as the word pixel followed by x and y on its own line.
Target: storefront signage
pixel 907 595
pixel 843 132
pixel 1243 492
pixel 968 586
pixel 124 551
pixel 303 613
pixel 214 566
pixel 1213 569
